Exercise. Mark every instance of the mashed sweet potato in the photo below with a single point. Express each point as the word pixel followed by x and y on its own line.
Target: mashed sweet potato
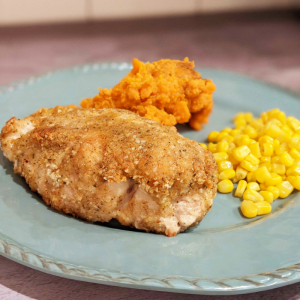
pixel 167 91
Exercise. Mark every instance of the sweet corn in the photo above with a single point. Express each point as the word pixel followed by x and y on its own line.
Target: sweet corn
pixel 293 171
pixel 274 190
pixel 212 136
pixel 263 207
pixel 286 159
pixel 274 180
pixel 222 146
pixel 268 196
pixel 240 153
pixel 285 189
pixel 225 186
pixel 253 186
pixel 252 196
pixel 262 174
pixel 227 174
pixel 248 209
pixel 224 165
pixel 241 187
pixel 260 154
pixel 203 145
pixel 240 173
pixel 219 156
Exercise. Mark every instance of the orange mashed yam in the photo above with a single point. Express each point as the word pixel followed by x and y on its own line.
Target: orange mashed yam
pixel 167 91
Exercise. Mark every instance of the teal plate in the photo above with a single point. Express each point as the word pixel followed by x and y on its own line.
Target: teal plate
pixel 224 254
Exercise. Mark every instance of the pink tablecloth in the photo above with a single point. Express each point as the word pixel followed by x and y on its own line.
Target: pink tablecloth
pixel 265 46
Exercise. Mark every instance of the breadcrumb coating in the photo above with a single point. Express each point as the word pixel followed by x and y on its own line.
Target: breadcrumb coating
pixel 166 91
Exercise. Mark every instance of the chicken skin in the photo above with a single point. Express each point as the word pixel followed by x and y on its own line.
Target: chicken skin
pixel 108 164
pixel 167 91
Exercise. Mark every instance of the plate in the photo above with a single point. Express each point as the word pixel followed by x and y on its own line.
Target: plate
pixel 224 254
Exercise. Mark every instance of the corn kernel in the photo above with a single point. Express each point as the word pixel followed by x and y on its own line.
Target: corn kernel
pixel 263 186
pixel 251 177
pixel 280 116
pixel 267 165
pixel 219 156
pixel 268 196
pixel 247 165
pixel 286 159
pixel 274 180
pixel 253 159
pixel 278 168
pixel 265 159
pixel 235 179
pixel 294 143
pixel 225 186
pixel 224 165
pixel 240 153
pixel 262 174
pixel 227 174
pixel 283 137
pixel 275 160
pixel 253 186
pixel 297 162
pixel 267 149
pixel 255 149
pixel 272 130
pixel 212 136
pixel 233 160
pixel 293 171
pixel 227 129
pixel 274 190
pixel 251 132
pixel 240 123
pixel 276 143
pixel 263 207
pixel 221 136
pixel 203 145
pixel 248 209
pixel 241 187
pixel 294 153
pixel 264 117
pixel 231 146
pixel 235 132
pixel 296 183
pixel 240 173
pixel 265 139
pixel 285 189
pixel 242 140
pixel 252 196
pixel 248 116
pixel 212 147
pixel 228 139
pixel 222 146
pixel 281 149
pixel 283 177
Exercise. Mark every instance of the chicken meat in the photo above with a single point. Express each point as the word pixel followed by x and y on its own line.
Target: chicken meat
pixel 108 164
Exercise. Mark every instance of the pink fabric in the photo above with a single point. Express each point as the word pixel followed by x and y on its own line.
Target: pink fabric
pixel 265 46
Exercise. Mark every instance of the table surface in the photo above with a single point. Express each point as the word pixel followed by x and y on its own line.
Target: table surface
pixel 262 45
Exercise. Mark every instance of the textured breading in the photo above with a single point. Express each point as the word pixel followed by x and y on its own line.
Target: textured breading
pixel 110 163
pixel 167 91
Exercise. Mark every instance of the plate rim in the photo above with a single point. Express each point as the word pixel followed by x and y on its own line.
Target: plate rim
pixel 180 284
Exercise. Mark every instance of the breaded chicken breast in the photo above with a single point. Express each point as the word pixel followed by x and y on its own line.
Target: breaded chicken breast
pixel 167 91
pixel 108 164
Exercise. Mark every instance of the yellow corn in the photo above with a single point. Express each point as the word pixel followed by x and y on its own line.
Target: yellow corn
pixel 241 187
pixel 263 186
pixel 231 146
pixel 240 173
pixel 251 177
pixel 274 180
pixel 294 153
pixel 248 209
pixel 227 129
pixel 252 159
pixel 293 171
pixel 253 186
pixel 281 149
pixel 212 136
pixel 263 207
pixel 272 130
pixel 285 189
pixel 224 165
pixel 235 132
pixel 255 149
pixel 267 165
pixel 219 156
pixel 278 168
pixel 297 162
pixel 203 145
pixel 262 174
pixel 275 160
pixel 247 165
pixel 296 182
pixel 240 153
pixel 268 196
pixel 251 132
pixel 225 186
pixel 212 147
pixel 268 149
pixel 294 143
pixel 242 140
pixel 221 136
pixel 286 159
pixel 265 139
pixel 274 190
pixel 252 196
pixel 222 146
pixel 265 159
pixel 276 143
pixel 227 174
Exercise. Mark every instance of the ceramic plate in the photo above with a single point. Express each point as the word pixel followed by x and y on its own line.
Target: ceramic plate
pixel 224 254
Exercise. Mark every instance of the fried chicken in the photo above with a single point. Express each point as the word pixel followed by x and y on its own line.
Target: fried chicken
pixel 167 91
pixel 108 164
